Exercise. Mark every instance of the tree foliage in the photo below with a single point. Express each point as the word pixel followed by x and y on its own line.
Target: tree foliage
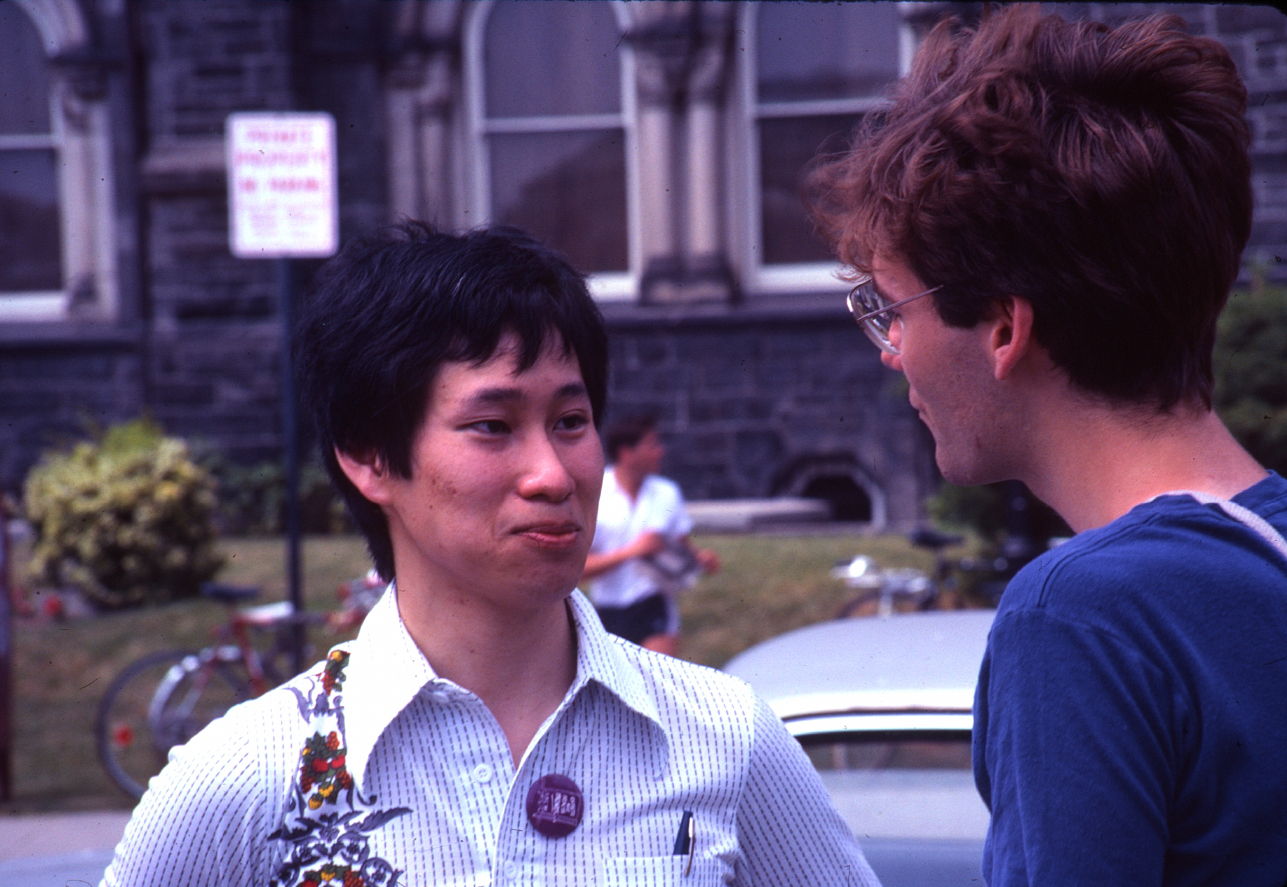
pixel 127 519
pixel 1251 372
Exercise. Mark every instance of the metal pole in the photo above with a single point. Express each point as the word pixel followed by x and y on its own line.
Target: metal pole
pixel 290 434
pixel 6 659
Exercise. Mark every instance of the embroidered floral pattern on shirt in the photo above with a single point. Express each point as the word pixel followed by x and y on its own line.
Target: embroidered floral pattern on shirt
pixel 328 821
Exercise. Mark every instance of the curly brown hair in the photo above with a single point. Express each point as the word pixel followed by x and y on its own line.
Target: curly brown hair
pixel 1100 173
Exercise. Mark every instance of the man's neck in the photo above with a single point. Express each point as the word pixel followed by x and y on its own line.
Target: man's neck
pixel 629 479
pixel 1101 462
pixel 519 664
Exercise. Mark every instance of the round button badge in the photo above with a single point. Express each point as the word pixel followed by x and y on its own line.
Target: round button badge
pixel 555 805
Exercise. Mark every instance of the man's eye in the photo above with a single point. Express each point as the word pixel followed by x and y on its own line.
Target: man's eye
pixel 573 422
pixel 489 426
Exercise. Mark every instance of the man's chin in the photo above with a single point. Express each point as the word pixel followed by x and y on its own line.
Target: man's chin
pixel 966 475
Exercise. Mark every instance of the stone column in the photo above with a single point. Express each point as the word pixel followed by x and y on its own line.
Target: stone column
pixel 80 90
pixel 709 276
pixel 654 140
pixel 661 40
pixel 424 86
pixel 681 67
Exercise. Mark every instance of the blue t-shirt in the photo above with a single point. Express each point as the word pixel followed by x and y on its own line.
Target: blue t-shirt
pixel 1131 713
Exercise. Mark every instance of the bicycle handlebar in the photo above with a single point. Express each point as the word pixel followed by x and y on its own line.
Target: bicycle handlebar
pixel 229 594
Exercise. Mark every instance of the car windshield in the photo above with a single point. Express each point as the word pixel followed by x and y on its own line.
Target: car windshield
pixel 901 786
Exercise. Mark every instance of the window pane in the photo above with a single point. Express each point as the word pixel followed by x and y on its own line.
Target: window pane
pixel 567 188
pixel 786 147
pixel 24 75
pixel 826 50
pixel 904 786
pixel 29 226
pixel 552 58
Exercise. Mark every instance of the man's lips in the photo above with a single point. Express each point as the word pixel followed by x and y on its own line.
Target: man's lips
pixel 551 534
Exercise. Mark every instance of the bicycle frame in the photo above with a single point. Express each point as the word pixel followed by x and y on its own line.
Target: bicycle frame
pixel 165 697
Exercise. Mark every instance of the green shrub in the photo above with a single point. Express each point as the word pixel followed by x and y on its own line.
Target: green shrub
pixel 1251 387
pixel 994 513
pixel 252 499
pixel 127 519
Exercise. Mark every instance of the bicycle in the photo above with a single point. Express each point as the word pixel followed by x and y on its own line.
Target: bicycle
pixel 164 698
pixel 886 590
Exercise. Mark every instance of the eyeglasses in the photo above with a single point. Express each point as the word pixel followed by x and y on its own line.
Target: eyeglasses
pixel 873 313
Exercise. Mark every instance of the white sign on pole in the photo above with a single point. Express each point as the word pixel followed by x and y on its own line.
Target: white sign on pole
pixel 281 185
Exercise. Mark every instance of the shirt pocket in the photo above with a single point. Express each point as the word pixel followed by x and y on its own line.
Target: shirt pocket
pixel 662 871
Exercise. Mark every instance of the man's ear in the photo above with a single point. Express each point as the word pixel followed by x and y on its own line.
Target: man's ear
pixel 367 471
pixel 1012 337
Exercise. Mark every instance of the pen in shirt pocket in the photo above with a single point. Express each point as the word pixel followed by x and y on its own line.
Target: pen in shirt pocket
pixel 686 840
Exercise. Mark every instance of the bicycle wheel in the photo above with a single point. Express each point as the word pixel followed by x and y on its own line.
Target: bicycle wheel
pixel 157 702
pixel 200 689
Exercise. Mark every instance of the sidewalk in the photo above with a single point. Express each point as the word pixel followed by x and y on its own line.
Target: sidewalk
pixel 58 849
pixel 748 515
pixel 49 834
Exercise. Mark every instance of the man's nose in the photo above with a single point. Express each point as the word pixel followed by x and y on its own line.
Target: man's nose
pixel 546 474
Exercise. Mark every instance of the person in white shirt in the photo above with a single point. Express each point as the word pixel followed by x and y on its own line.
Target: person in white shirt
pixel 642 558
pixel 483 728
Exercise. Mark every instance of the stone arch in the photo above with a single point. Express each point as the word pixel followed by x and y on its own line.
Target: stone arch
pixel 61 25
pixel 850 489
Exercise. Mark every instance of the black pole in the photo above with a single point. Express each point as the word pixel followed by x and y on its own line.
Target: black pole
pixel 6 659
pixel 290 434
pixel 1019 545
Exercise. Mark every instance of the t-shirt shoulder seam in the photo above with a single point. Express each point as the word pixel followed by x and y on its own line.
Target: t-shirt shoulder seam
pixel 1101 631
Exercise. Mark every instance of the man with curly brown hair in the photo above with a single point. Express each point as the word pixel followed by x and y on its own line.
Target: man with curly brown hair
pixel 1043 228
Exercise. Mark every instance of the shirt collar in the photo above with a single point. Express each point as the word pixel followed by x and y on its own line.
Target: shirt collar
pixel 601 660
pixel 387 671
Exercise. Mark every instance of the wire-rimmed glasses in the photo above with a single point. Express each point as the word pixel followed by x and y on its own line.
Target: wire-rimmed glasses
pixel 873 313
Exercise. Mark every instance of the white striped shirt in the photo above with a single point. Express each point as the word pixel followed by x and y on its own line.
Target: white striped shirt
pixel 659 508
pixel 645 737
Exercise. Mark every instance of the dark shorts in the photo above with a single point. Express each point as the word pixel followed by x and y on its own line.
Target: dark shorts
pixel 642 619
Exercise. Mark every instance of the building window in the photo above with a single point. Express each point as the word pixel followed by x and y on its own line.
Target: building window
pixel 810 71
pixel 30 222
pixel 549 126
pixel 57 227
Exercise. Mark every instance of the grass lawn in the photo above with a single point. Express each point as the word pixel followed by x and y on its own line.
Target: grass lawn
pixel 770 583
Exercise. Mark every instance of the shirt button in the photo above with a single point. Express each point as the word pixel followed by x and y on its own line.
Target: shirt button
pixel 483 773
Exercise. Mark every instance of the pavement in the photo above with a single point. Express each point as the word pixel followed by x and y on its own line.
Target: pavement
pixel 58 849
pixel 748 515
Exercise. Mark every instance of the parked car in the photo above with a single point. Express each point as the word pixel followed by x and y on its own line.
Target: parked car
pixel 883 708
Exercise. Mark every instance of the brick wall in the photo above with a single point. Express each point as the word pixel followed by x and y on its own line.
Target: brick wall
pixel 757 399
pixel 766 401
pixel 213 336
pixel 51 393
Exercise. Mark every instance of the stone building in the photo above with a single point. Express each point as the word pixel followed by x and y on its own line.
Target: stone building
pixel 658 144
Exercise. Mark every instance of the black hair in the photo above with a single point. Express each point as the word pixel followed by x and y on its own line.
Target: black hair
pixel 627 432
pixel 392 307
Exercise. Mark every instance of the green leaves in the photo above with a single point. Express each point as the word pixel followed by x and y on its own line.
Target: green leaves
pixel 128 519
pixel 1251 384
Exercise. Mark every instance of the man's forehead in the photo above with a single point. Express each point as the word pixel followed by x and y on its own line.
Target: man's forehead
pixel 501 375
pixel 511 348
pixel 510 352
pixel 889 270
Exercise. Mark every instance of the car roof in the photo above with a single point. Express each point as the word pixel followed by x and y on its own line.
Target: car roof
pixel 912 662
